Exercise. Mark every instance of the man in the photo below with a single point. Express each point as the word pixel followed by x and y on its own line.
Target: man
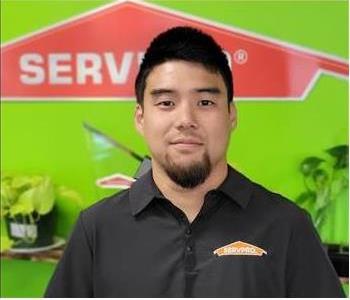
pixel 192 226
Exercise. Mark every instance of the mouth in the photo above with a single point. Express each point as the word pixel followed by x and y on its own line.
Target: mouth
pixel 186 144
pixel 186 141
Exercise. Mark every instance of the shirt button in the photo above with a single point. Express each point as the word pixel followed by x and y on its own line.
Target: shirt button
pixel 183 219
pixel 189 248
pixel 188 231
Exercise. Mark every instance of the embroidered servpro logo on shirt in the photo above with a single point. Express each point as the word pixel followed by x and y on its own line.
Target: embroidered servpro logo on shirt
pixel 239 248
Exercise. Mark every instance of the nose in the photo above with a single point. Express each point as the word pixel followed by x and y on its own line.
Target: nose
pixel 186 117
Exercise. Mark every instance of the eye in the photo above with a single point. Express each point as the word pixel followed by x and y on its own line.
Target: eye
pixel 206 103
pixel 166 103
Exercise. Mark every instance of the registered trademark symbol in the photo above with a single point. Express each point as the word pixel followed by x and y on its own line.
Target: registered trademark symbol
pixel 240 56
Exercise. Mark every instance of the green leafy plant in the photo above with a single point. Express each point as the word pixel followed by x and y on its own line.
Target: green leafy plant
pixel 25 195
pixel 324 179
pixel 29 198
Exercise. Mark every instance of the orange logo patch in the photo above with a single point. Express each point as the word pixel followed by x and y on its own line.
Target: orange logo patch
pixel 239 248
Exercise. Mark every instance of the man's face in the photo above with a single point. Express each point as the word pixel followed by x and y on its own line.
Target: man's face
pixel 185 120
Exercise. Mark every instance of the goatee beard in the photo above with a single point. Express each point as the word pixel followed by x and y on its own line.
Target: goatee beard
pixel 188 176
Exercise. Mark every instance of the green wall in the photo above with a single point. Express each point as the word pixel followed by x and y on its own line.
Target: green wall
pixel 271 139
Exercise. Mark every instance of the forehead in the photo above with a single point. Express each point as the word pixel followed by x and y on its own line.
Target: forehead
pixel 183 75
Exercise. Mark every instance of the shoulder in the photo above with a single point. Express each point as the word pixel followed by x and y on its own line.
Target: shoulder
pixel 275 206
pixel 275 201
pixel 280 217
pixel 109 208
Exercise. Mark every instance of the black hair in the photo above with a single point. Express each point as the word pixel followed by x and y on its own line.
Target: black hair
pixel 187 44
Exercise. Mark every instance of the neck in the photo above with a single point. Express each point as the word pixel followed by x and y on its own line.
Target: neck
pixel 189 200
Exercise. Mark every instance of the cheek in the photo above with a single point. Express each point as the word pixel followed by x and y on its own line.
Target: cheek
pixel 218 135
pixel 155 130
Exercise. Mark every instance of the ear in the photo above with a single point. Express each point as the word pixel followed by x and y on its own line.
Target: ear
pixel 232 115
pixel 138 119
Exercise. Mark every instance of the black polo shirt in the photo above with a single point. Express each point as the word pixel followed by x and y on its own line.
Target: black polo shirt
pixel 245 242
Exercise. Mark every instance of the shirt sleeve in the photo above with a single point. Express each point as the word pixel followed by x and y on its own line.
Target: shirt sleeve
pixel 310 272
pixel 73 274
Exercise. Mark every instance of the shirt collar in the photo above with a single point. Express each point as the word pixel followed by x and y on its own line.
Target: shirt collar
pixel 235 186
pixel 142 192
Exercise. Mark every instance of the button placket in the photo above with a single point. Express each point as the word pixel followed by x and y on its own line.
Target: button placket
pixel 188 241
pixel 189 249
pixel 189 260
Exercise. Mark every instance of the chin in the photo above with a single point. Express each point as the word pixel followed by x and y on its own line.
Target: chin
pixel 187 173
pixel 183 160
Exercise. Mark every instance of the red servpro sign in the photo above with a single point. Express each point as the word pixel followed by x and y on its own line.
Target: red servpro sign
pixel 96 57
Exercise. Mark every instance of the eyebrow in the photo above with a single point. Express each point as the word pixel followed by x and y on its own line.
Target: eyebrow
pixel 210 90
pixel 158 92
pixel 161 91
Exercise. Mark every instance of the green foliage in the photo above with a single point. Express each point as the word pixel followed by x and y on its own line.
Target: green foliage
pixel 24 195
pixel 324 180
pixel 6 243
pixel 31 197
